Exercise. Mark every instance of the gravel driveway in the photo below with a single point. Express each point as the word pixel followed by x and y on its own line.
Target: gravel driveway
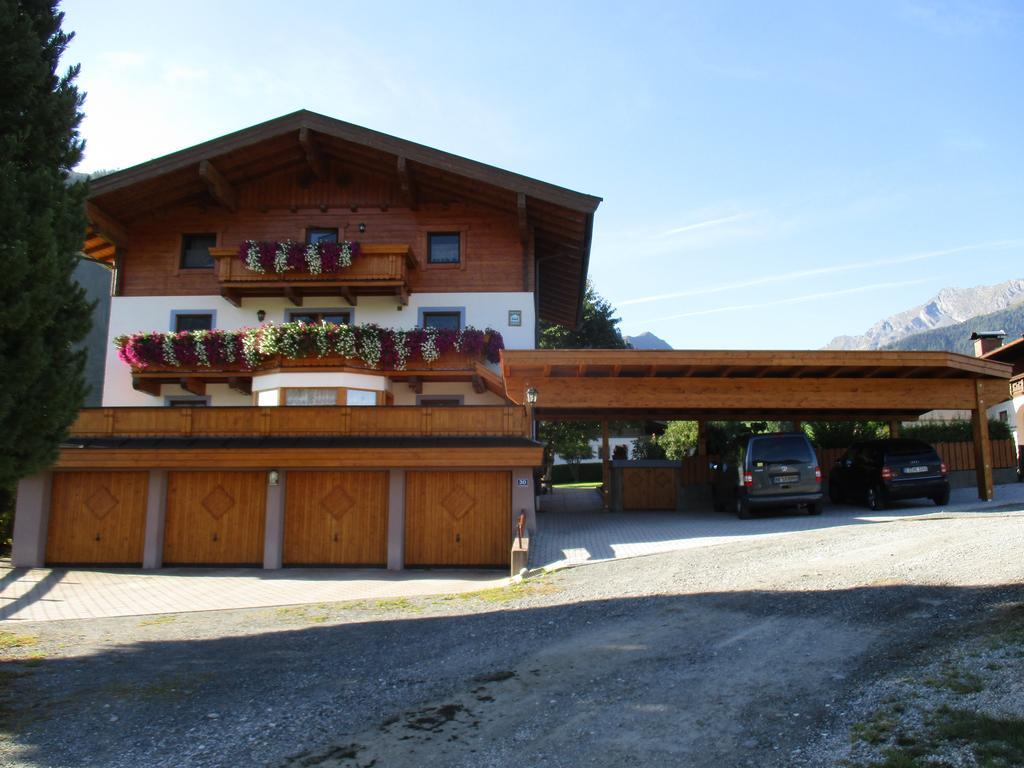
pixel 750 653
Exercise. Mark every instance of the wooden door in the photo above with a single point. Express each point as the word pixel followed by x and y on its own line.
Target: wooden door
pixel 215 518
pixel 97 517
pixel 458 519
pixel 336 518
pixel 648 488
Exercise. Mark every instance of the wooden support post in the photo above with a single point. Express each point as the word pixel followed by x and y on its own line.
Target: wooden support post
pixel 606 467
pixel 798 425
pixel 702 438
pixel 314 157
pixel 406 184
pixel 982 445
pixel 894 428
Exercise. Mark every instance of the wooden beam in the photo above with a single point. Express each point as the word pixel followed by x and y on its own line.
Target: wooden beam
pixel 220 188
pixel 744 394
pixel 195 386
pixel 478 384
pixel 524 220
pixel 416 384
pixel 606 467
pixel 349 295
pixel 292 294
pixel 407 184
pixel 231 296
pixel 105 225
pixel 403 295
pixel 149 386
pixel 894 428
pixel 702 437
pixel 982 445
pixel 314 157
pixel 241 384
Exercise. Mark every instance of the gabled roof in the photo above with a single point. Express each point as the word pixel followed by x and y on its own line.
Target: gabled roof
pixel 560 219
pixel 1011 352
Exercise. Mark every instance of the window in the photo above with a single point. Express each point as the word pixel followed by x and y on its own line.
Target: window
pixel 360 397
pixel 192 321
pixel 443 248
pixel 1004 417
pixel 319 235
pixel 448 320
pixel 195 251
pixel 314 316
pixel 187 401
pixel 311 396
pixel 438 401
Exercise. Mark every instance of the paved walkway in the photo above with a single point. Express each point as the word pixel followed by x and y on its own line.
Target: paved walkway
pixel 43 594
pixel 572 528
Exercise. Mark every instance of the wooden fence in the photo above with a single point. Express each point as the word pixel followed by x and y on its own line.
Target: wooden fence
pixel 384 421
pixel 957 456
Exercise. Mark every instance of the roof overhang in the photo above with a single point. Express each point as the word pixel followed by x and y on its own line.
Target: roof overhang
pixel 713 384
pixel 558 221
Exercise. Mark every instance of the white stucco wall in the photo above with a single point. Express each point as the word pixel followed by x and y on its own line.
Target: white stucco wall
pixel 129 314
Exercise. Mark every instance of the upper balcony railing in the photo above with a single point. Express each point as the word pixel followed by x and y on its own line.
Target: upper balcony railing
pixel 377 269
pixel 1017 386
pixel 318 421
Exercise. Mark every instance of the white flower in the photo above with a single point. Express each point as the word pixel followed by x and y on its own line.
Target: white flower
pixel 199 341
pixel 281 256
pixel 252 256
pixel 168 344
pixel 314 261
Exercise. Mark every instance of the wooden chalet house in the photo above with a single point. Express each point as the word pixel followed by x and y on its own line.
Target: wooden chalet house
pixel 306 325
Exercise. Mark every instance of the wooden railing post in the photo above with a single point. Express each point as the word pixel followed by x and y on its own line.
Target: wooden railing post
pixel 982 445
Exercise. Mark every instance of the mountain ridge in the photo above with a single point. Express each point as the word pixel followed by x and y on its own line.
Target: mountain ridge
pixel 949 307
pixel 647 340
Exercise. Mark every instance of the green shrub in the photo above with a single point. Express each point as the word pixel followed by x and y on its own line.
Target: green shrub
pixel 958 431
pixel 647 448
pixel 589 472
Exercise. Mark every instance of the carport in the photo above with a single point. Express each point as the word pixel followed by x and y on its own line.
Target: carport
pixel 604 385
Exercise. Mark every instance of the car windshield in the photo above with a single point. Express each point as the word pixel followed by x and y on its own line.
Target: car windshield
pixel 791 449
pixel 907 447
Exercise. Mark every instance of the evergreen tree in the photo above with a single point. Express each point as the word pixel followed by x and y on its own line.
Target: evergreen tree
pixel 43 312
pixel 599 330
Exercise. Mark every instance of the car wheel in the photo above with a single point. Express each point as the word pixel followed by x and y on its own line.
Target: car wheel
pixel 876 501
pixel 942 499
pixel 742 509
pixel 834 494
pixel 814 509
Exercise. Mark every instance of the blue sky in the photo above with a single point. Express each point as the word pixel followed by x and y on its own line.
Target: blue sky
pixel 773 174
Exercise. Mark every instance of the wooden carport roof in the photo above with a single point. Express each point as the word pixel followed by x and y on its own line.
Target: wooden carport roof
pixel 720 384
pixel 558 222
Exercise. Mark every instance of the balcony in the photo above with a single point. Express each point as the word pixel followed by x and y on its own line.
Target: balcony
pixel 1017 386
pixel 319 421
pixel 234 357
pixel 380 269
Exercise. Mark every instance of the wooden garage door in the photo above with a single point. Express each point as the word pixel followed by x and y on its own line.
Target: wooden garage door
pixel 648 488
pixel 336 518
pixel 458 518
pixel 215 518
pixel 97 517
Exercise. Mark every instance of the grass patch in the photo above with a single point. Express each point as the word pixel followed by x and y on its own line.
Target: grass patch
pixel 506 594
pixel 167 618
pixel 995 741
pixel 956 680
pixel 879 728
pixel 577 485
pixel 9 641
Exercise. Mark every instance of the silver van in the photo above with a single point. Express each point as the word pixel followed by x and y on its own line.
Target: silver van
pixel 761 471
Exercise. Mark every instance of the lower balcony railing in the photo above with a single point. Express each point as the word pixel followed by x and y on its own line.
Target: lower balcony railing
pixel 285 421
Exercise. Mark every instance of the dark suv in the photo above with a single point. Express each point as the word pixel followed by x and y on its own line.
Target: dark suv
pixel 760 471
pixel 879 471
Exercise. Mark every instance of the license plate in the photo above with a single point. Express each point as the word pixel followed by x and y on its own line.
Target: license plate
pixel 914 470
pixel 785 479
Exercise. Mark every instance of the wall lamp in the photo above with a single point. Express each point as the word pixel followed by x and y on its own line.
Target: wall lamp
pixel 531 396
pixel 261 315
pixel 362 227
pixel 273 477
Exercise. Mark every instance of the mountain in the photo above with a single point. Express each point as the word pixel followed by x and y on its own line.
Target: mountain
pixel 647 340
pixel 949 307
pixel 957 338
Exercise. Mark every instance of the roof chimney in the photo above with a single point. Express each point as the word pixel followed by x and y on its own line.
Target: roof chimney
pixel 986 341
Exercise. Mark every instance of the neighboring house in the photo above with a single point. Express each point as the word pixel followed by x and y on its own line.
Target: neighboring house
pixel 989 345
pixel 429 464
pixel 95 279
